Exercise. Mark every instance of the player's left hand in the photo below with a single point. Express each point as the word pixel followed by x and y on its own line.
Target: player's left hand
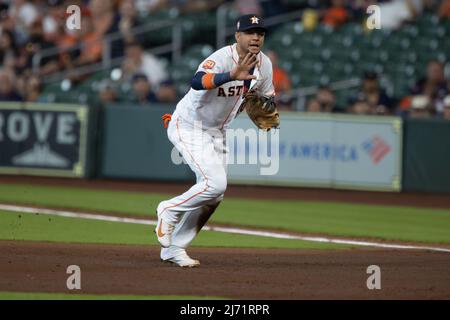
pixel 242 69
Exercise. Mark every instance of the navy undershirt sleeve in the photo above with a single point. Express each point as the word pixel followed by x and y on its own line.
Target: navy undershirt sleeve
pixel 219 79
pixel 196 82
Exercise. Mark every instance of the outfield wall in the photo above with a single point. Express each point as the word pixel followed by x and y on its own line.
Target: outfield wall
pixel 134 144
pixel 322 150
pixel 329 150
pixel 427 155
pixel 46 139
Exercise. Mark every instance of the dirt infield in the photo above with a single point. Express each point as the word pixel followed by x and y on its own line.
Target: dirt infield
pixel 230 273
pixel 414 199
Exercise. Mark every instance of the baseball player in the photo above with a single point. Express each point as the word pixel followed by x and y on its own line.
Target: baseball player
pixel 198 127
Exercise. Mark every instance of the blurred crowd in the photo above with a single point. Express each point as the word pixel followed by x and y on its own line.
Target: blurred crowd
pixel 429 97
pixel 394 12
pixel 27 27
pixel 31 26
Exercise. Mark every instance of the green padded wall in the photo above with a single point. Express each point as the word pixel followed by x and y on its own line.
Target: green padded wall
pixel 134 144
pixel 426 155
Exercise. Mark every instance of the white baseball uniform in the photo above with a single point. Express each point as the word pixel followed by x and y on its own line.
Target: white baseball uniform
pixel 198 131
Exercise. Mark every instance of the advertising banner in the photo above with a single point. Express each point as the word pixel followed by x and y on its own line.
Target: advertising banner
pixel 322 150
pixel 43 139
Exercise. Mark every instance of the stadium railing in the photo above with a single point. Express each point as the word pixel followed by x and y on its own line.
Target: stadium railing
pixel 107 61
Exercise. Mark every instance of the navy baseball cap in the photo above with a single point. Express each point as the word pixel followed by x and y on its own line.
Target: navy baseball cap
pixel 250 21
pixel 370 75
pixel 139 76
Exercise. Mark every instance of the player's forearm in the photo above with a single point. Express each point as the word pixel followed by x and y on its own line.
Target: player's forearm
pixel 208 81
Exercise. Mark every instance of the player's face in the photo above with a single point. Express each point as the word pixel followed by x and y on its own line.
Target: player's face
pixel 250 40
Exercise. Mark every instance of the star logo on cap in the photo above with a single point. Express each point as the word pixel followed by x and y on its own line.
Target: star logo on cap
pixel 254 20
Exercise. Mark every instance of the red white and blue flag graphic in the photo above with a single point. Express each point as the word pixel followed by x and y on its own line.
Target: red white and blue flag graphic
pixel 376 148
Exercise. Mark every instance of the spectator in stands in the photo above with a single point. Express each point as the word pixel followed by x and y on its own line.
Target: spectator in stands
pixel 380 102
pixel 4 6
pixel 150 6
pixel 404 106
pixel 313 105
pixel 336 14
pixel 433 85
pixel 310 19
pixel 54 21
pixel 90 40
pixel 396 12
pixel 128 20
pixel 420 107
pixel 358 9
pixel 432 6
pixel 24 14
pixel 7 22
pixel 138 61
pixel 281 82
pixel 248 7
pixel 105 18
pixel 8 48
pixel 142 90
pixel 191 6
pixel 444 10
pixel 8 91
pixel 106 21
pixel 273 8
pixel 20 84
pixel 167 92
pixel 327 99
pixel 107 92
pixel 37 42
pixel 446 113
pixel 360 105
pixel 33 88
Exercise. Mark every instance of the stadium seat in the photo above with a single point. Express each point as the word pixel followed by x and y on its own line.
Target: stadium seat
pixel 296 3
pixel 55 93
pixel 446 25
pixel 197 27
pixel 344 98
pixel 340 71
pixel 231 17
pixel 295 79
pixel 427 20
pixel 161 36
pixel 351 29
pixel 182 72
pixel 94 80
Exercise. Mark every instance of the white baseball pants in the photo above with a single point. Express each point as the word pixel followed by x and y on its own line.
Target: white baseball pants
pixel 206 154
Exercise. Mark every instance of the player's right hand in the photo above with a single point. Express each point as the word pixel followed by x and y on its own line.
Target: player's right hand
pixel 242 69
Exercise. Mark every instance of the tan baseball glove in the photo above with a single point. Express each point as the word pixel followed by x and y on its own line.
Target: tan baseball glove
pixel 261 110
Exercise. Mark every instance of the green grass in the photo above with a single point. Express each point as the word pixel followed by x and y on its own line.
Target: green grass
pixel 66 296
pixel 354 220
pixel 78 198
pixel 386 222
pixel 32 227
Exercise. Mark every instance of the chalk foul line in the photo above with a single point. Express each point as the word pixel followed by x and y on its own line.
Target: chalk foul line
pixel 233 230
